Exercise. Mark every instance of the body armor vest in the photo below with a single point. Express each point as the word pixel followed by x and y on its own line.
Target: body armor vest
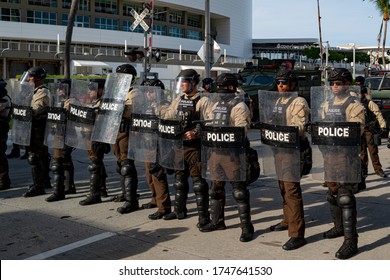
pixel 221 113
pixel 5 115
pixel 337 113
pixel 368 114
pixel 280 112
pixel 186 112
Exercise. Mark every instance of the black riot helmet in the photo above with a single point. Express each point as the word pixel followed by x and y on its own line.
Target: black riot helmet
pixel 153 83
pixel 126 69
pixel 340 74
pixel 284 74
pixel 189 74
pixel 207 81
pixel 3 84
pixel 360 80
pixel 39 73
pixel 225 80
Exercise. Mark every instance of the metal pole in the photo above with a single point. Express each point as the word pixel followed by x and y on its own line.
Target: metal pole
pixel 353 61
pixel 319 30
pixel 209 54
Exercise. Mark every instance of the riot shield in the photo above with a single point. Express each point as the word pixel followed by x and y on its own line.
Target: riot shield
pixel 335 140
pixel 143 135
pixel 109 116
pixel 21 96
pixel 280 153
pixel 223 145
pixel 56 116
pixel 81 114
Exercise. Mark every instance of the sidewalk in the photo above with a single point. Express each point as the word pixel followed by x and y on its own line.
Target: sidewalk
pixel 34 228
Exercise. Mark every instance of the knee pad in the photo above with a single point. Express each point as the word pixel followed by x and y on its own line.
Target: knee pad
pixel 199 185
pixel 240 193
pixel 181 183
pixel 127 168
pixel 345 198
pixel 56 166
pixel 93 168
pixel 33 159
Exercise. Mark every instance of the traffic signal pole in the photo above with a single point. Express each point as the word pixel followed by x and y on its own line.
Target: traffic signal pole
pixel 208 42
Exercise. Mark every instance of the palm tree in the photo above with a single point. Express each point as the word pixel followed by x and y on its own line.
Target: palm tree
pixel 68 37
pixel 383 8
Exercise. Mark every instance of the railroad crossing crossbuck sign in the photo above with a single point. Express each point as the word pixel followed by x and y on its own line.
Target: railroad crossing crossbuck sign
pixel 139 19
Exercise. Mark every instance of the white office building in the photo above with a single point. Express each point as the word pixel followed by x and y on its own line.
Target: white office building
pixel 33 33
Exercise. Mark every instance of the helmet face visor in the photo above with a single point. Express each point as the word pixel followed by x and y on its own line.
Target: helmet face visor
pixel 184 85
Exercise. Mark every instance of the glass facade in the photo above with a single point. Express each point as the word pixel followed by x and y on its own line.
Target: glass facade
pixel 41 17
pixel 10 14
pixel 44 3
pixel 106 23
pixel 104 14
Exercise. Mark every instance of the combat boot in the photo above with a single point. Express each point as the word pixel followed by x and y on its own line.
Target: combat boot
pixel 131 204
pixel 38 176
pixel 94 185
pixel 58 182
pixel 180 209
pixel 246 224
pixel 349 248
pixel 201 188
pixel 217 217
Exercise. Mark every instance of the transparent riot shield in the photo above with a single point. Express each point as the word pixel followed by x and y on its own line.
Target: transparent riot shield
pixel 170 134
pixel 56 116
pixel 81 114
pixel 335 136
pixel 109 115
pixel 223 145
pixel 280 153
pixel 143 137
pixel 21 96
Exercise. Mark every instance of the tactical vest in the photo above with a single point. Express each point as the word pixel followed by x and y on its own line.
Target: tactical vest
pixel 279 111
pixel 337 113
pixel 368 114
pixel 186 112
pixel 221 113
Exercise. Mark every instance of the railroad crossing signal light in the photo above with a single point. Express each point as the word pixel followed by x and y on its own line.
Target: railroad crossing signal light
pixel 157 55
pixel 135 55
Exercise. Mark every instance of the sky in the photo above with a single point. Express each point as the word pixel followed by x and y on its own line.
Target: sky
pixel 342 21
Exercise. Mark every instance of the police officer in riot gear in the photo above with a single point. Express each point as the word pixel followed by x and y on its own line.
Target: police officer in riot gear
pixel 207 85
pixel 5 114
pixel 228 164
pixel 189 107
pixel 342 163
pixel 38 157
pixel 62 164
pixel 155 174
pixel 125 166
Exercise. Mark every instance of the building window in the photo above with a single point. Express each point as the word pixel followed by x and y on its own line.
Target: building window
pixel 80 21
pixel 127 7
pixel 44 3
pixel 126 27
pixel 195 35
pixel 194 21
pixel 84 5
pixel 106 23
pixel 176 32
pixel 106 6
pixel 159 30
pixel 176 17
pixel 160 15
pixel 41 17
pixel 10 14
pixel 10 1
